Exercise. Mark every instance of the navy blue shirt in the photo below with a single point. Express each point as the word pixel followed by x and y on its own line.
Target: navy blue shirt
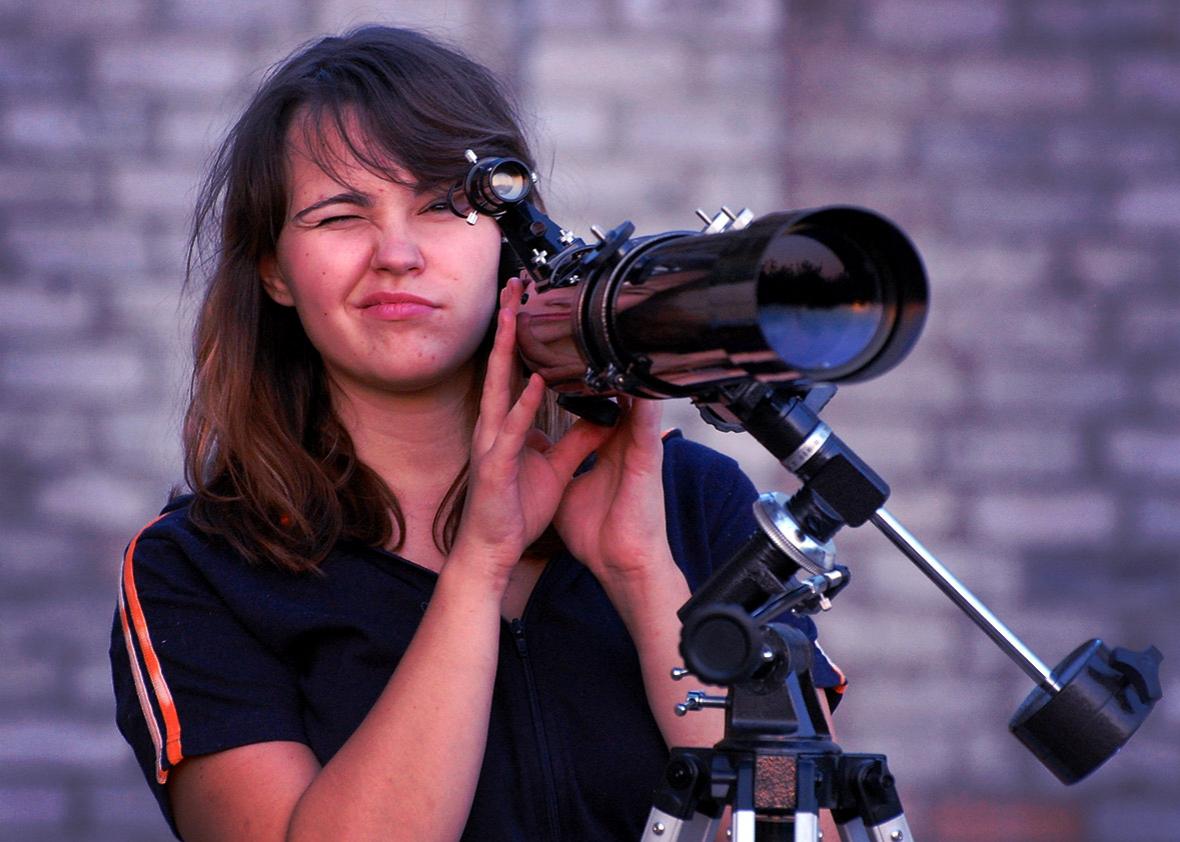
pixel 209 653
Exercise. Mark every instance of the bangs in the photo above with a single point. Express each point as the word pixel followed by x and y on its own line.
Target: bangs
pixel 410 122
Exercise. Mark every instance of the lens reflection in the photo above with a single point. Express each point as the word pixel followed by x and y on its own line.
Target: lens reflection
pixel 815 310
pixel 508 185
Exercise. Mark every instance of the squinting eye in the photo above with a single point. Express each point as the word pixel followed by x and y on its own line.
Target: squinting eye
pixel 436 207
pixel 332 219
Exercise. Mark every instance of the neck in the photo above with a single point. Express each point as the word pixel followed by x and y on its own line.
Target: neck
pixel 417 442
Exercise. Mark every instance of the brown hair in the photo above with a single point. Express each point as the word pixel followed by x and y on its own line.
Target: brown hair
pixel 273 471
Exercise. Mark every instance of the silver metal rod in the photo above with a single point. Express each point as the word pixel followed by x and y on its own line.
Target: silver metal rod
pixel 967 602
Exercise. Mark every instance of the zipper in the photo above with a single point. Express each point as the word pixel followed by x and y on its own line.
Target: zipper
pixel 522 652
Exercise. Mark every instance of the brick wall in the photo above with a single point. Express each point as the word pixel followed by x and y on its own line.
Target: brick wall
pixel 1029 150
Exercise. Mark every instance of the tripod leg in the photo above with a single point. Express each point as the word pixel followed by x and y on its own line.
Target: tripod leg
pixel 806 803
pixel 683 809
pixel 664 827
pixel 871 812
pixel 742 825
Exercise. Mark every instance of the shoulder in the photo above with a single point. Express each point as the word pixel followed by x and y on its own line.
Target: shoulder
pixel 708 502
pixel 171 556
pixel 173 535
pixel 686 458
pixel 698 476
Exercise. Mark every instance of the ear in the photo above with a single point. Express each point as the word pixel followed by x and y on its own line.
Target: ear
pixel 273 283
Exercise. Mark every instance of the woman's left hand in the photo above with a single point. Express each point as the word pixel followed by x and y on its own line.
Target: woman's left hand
pixel 612 516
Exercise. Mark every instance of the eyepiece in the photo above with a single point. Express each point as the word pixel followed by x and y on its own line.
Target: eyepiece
pixel 493 184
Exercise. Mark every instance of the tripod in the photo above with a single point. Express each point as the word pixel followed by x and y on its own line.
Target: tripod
pixel 777 765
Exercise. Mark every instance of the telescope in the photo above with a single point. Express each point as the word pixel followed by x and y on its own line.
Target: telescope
pixel 827 295
pixel 756 320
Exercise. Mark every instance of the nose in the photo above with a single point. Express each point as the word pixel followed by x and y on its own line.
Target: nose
pixel 397 251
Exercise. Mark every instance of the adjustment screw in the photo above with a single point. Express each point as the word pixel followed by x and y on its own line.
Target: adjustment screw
pixel 658 828
pixel 897 836
pixel 679 673
pixel 680 774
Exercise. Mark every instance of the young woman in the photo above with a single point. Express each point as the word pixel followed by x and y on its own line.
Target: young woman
pixel 397 603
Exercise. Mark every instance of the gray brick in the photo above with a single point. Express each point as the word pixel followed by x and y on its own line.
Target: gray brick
pixel 39 740
pixel 850 139
pixel 1120 269
pixel 32 556
pixel 131 808
pixel 1014 455
pixel 989 85
pixel 1022 211
pixel 35 67
pixel 1153 331
pixel 25 678
pixel 1125 147
pixel 1165 389
pixel 1026 518
pixel 565 65
pixel 190 134
pixel 1021 329
pixel 755 18
pixel 556 14
pixel 1137 818
pixel 922 24
pixel 155 192
pixel 1049 391
pixel 956 267
pixel 38 187
pixel 95 499
pixel 448 19
pixel 29 312
pixel 1158 519
pixel 32 807
pixel 86 375
pixel 56 127
pixel 1150 207
pixel 173 67
pixel 77 250
pixel 84 17
pixel 1103 21
pixel 1144 454
pixel 876 83
pixel 46 437
pixel 1152 81
pixel 275 17
pixel 973 151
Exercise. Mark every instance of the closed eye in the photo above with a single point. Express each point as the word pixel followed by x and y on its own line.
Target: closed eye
pixel 437 205
pixel 331 220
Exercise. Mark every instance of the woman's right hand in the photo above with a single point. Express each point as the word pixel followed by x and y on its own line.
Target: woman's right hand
pixel 517 475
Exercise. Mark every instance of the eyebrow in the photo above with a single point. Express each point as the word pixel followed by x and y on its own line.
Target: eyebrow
pixel 349 198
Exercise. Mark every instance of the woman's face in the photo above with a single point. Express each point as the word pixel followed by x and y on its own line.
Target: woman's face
pixel 393 290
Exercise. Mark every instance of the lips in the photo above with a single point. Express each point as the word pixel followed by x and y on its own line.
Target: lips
pixel 395 306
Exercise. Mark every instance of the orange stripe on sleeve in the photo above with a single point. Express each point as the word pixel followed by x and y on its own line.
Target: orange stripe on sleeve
pixel 145 704
pixel 171 741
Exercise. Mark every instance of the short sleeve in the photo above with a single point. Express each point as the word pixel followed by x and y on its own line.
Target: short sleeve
pixel 189 679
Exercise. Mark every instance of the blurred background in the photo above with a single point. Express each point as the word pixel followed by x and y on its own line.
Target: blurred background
pixel 1032 440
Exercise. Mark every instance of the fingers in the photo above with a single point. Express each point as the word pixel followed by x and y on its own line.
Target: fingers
pixel 507 439
pixel 582 439
pixel 496 399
